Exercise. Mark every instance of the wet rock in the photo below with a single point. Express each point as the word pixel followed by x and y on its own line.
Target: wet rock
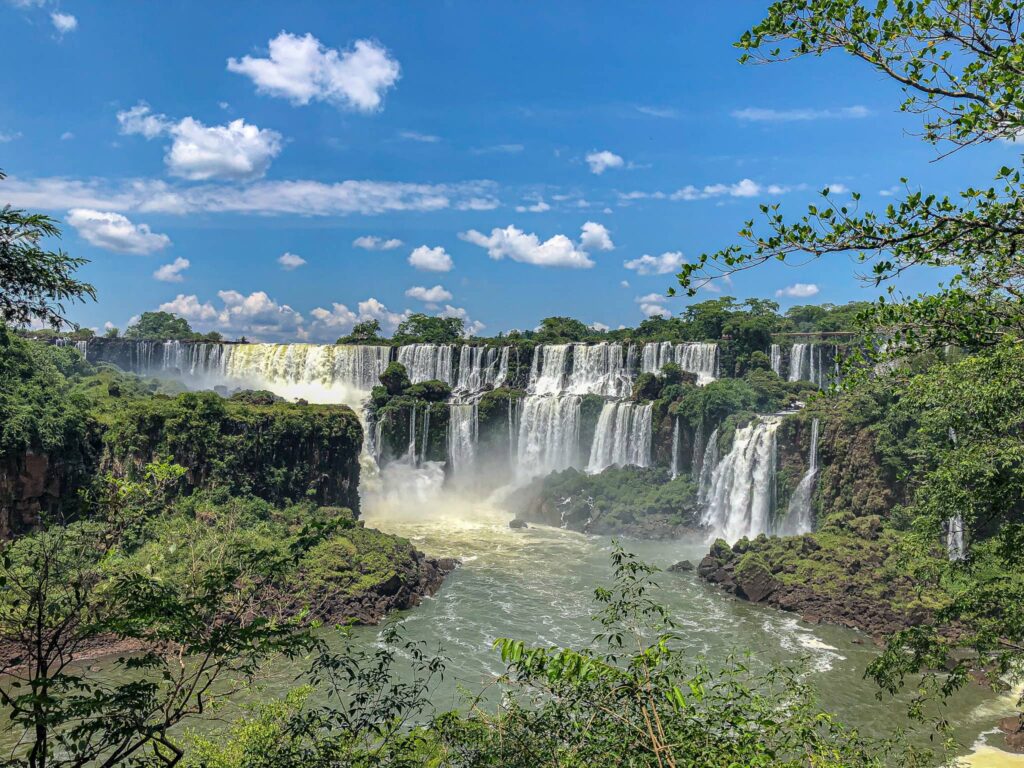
pixel 681 567
pixel 756 583
pixel 517 523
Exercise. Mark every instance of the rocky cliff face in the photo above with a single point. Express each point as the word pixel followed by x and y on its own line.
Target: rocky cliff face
pixel 30 486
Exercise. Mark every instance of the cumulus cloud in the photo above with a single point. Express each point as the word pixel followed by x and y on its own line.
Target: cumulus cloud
pixel 374 243
pixel 838 188
pixel 290 261
pixel 191 309
pixel 372 309
pixel 63 22
pixel 431 259
pixel 115 232
pixel 67 136
pixel 742 188
pixel 301 197
pixel 556 251
pixel 302 69
pixel 9 136
pixel 238 150
pixel 798 291
pixel 757 114
pixel 171 273
pixel 670 261
pixel 600 162
pixel 433 295
pixel 652 305
pixel 595 237
pixel 538 207
pixel 472 327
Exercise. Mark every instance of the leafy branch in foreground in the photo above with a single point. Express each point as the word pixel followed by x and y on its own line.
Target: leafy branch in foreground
pixel 961 65
pixel 192 640
pixel 35 284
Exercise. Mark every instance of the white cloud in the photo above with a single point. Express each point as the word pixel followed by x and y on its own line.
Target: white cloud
pixel 301 197
pixel 290 261
pixel 171 273
pixel 472 327
pixel 424 138
pixel 63 22
pixel 189 308
pixel 600 162
pixel 596 326
pixel 889 192
pixel 624 283
pixel 141 120
pixel 371 309
pixel 431 259
pixel 838 189
pixel 9 136
pixel 651 305
pixel 742 188
pixel 433 295
pixel 115 232
pixel 757 114
pixel 374 243
pixel 256 314
pixel 238 150
pixel 670 261
pixel 556 251
pixel 302 69
pixel 339 319
pixel 798 291
pixel 538 207
pixel 477 204
pixel 595 237
pixel 67 136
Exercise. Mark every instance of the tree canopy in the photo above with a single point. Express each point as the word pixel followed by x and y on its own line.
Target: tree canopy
pixel 419 328
pixel 35 283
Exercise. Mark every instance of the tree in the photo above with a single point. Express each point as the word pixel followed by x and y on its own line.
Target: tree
pixel 420 328
pixel 558 330
pixel 160 326
pixel 363 332
pixel 111 333
pixel 69 588
pixel 959 66
pixel 35 283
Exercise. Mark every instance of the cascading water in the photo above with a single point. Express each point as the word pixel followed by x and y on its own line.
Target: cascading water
pixel 707 467
pixel 480 367
pixel 742 495
pixel 463 426
pixel 547 374
pixel 694 357
pixel 622 437
pixel 675 447
pixel 599 369
pixel 549 435
pixel 809 362
pixel 776 358
pixel 955 549
pixel 427 362
pixel 800 515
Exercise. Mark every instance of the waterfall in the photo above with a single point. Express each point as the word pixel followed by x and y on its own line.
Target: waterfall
pixel 776 358
pixel 81 345
pixel 549 435
pixel 742 485
pixel 799 514
pixel 481 367
pixel 547 376
pixel 955 549
pixel 707 467
pixel 700 358
pixel 410 453
pixel 622 437
pixel 808 362
pixel 463 426
pixel 697 452
pixel 675 447
pixel 427 362
pixel 599 369
pixel 426 434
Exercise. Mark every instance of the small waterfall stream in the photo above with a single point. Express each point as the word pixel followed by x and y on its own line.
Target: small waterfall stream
pixel 622 437
pixel 742 491
pixel 800 514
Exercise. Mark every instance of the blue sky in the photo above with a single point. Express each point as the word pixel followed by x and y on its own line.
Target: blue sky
pixel 503 162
